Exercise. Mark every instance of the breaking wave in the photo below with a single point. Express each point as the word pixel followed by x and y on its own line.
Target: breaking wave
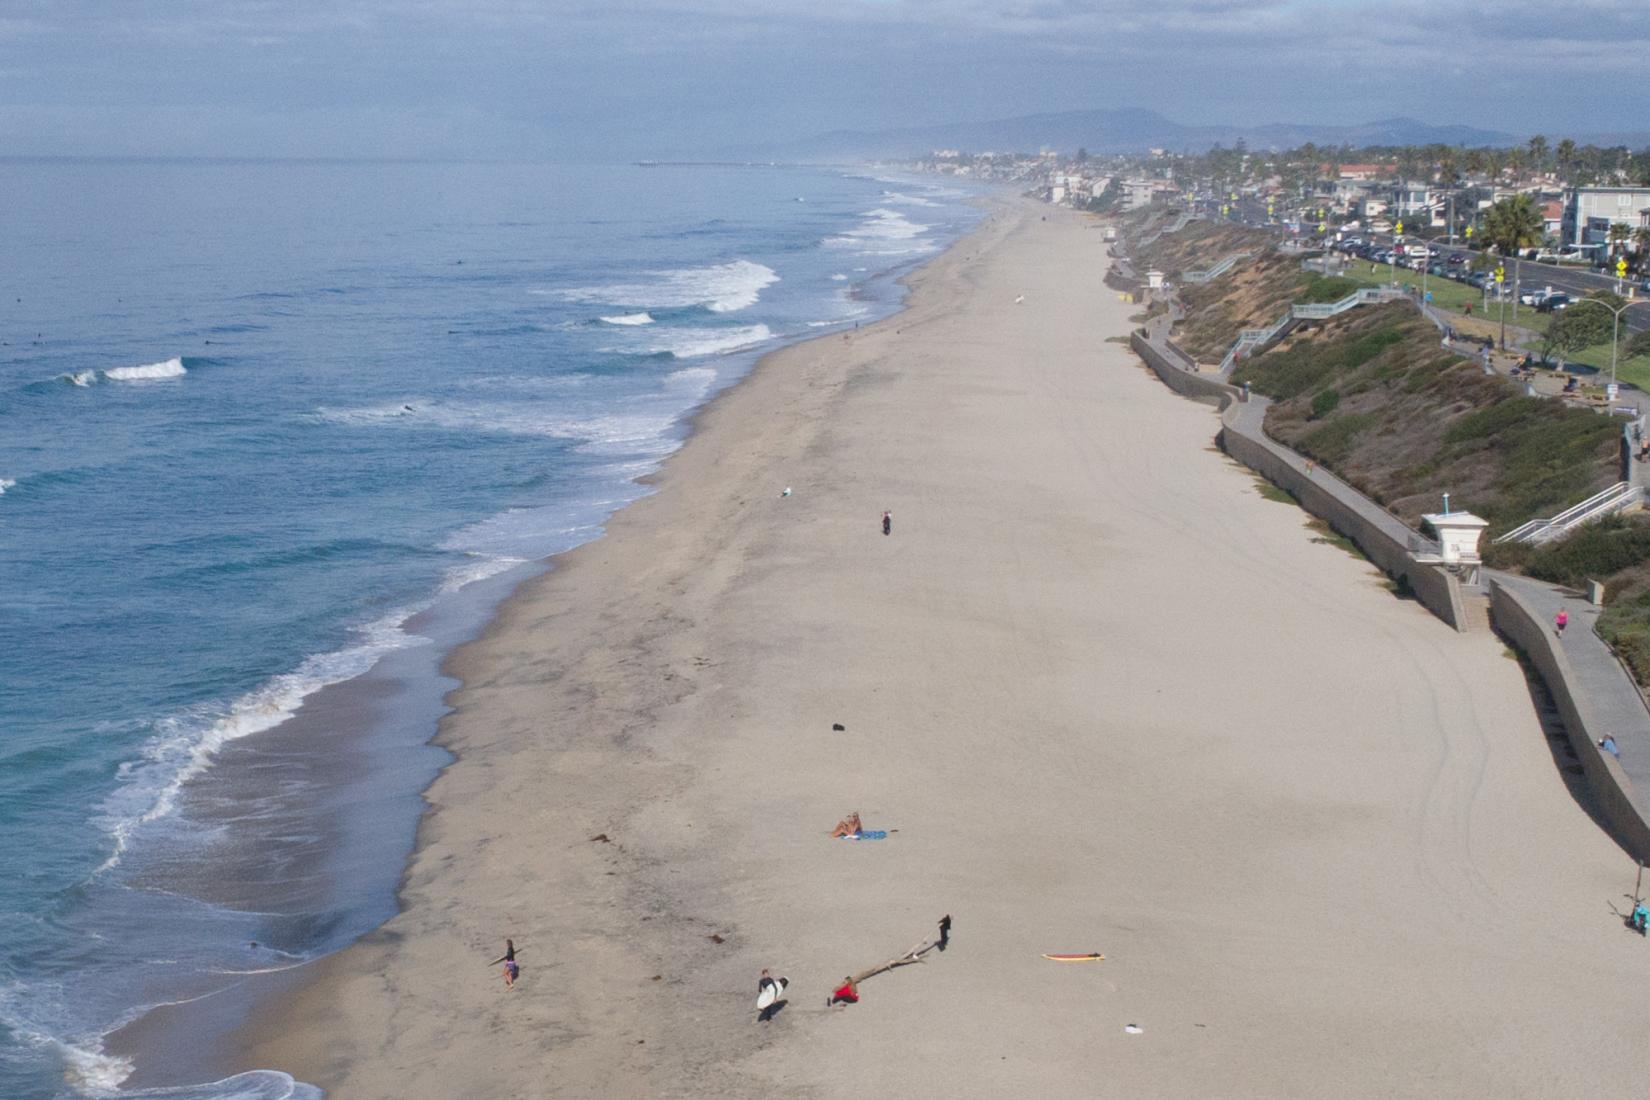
pixel 885 232
pixel 720 288
pixel 149 372
pixel 695 343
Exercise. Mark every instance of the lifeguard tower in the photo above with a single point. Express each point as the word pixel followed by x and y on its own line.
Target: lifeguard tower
pixel 1456 548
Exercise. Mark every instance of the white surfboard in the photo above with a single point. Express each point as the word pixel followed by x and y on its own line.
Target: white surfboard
pixel 771 993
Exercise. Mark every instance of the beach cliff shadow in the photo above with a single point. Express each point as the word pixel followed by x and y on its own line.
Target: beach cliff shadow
pixel 1557 736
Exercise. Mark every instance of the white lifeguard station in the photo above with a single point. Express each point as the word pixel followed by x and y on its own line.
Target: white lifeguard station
pixel 1457 535
pixel 1154 280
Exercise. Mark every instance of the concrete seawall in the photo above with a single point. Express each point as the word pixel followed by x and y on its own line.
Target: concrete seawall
pixel 1210 391
pixel 1585 720
pixel 1594 694
pixel 1381 537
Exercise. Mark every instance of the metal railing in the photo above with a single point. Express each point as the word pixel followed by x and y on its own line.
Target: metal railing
pixel 1216 271
pixel 1617 498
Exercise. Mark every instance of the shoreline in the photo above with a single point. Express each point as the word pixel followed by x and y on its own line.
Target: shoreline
pixel 310 982
pixel 156 1041
pixel 1069 685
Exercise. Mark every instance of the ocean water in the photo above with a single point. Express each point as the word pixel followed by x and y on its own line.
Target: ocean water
pixel 274 436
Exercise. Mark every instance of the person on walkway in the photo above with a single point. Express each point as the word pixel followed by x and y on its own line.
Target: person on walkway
pixel 1640 918
pixel 1608 744
pixel 945 932
pixel 511 969
pixel 1560 621
pixel 887 523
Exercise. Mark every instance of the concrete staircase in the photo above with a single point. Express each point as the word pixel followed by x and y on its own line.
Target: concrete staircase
pixel 1617 498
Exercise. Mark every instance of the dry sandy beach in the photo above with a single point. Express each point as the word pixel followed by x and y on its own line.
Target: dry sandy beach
pixel 1111 699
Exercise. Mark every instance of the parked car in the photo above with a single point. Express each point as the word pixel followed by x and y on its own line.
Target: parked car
pixel 1536 297
pixel 1552 303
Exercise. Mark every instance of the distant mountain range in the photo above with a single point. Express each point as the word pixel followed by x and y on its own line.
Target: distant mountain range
pixel 1126 131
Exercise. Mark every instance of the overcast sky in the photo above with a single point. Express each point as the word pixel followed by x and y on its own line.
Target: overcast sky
pixel 568 80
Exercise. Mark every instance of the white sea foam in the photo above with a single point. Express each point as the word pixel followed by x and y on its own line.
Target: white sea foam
pixel 185 743
pixel 81 378
pixel 694 382
pixel 478 568
pixel 695 343
pixel 7 483
pixel 92 1071
pixel 630 319
pixel 884 232
pixel 640 430
pixel 149 372
pixel 899 198
pixel 720 288
pixel 258 1084
pixel 839 278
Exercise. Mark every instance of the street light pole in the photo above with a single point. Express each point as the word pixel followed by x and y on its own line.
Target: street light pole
pixel 1615 339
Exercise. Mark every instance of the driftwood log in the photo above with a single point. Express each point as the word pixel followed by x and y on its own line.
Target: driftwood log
pixel 912 956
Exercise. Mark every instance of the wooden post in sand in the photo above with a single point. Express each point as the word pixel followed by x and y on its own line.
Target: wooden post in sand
pixel 1638 882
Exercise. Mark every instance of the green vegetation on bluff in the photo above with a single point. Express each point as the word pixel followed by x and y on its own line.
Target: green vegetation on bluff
pixel 1372 396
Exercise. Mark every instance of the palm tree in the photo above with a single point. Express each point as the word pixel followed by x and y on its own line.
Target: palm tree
pixel 1566 159
pixel 1641 247
pixel 1512 224
pixel 1538 151
pixel 1619 233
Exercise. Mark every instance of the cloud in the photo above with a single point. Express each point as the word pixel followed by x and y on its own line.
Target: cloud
pixel 621 77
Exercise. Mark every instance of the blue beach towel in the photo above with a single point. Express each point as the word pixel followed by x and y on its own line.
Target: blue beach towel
pixel 868 834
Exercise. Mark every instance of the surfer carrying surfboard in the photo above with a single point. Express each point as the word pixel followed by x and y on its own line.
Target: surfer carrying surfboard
pixel 770 993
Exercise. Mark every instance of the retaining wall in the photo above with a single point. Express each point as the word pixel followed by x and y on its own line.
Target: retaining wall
pixel 1209 390
pixel 1436 589
pixel 1618 802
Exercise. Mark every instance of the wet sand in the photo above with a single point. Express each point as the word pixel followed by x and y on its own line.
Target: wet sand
pixel 1107 697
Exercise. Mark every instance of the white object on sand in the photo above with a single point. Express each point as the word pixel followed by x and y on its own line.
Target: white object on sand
pixel 1020 299
pixel 771 992
pixel 1132 1029
pixel 787 491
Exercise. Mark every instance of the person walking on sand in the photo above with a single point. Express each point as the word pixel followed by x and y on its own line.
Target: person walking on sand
pixel 1560 621
pixel 511 969
pixel 887 523
pixel 763 985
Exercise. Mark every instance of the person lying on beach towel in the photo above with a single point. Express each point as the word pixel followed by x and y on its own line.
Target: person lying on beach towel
pixel 848 826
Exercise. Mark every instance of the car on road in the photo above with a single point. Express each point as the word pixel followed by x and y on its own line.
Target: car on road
pixel 1554 302
pixel 1536 297
pixel 1456 258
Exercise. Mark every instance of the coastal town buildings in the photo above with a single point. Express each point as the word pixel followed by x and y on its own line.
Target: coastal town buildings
pixel 1589 212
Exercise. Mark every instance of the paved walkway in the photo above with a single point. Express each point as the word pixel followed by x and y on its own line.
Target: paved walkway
pixel 1615 700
